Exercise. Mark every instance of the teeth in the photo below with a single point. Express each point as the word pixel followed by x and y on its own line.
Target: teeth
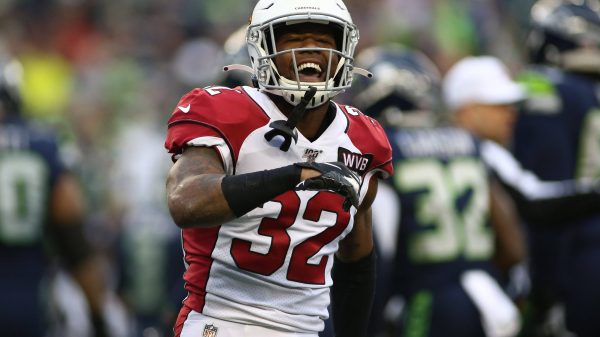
pixel 309 65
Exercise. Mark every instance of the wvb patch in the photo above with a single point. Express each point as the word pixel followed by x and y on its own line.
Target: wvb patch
pixel 355 161
pixel 209 331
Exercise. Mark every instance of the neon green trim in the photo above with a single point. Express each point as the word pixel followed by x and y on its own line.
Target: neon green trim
pixel 419 315
pixel 536 84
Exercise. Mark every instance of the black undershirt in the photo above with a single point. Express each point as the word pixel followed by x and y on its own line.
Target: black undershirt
pixel 329 117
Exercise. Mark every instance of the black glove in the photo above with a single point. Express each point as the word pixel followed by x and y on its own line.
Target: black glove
pixel 335 177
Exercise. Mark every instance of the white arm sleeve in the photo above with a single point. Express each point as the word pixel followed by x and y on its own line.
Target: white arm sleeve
pixel 511 173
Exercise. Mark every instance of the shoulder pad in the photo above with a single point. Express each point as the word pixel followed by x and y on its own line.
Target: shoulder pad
pixel 211 104
pixel 214 111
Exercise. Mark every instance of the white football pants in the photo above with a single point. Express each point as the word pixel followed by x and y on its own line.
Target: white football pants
pixel 197 325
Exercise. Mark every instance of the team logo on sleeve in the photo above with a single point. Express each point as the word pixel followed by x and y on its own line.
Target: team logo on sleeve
pixel 210 331
pixel 355 161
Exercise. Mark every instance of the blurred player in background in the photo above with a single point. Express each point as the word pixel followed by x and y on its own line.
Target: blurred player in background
pixel 557 137
pixel 41 211
pixel 454 218
pixel 235 52
pixel 150 264
pixel 482 98
pixel 273 185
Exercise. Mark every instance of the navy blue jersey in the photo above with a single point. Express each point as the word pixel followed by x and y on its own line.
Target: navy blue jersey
pixel 442 185
pixel 558 133
pixel 558 137
pixel 29 167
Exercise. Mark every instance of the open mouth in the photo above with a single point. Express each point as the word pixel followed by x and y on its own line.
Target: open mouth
pixel 310 72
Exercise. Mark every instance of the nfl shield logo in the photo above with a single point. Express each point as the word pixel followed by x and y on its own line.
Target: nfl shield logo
pixel 209 331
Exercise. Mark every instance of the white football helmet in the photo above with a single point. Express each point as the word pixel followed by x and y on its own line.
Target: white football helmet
pixel 260 38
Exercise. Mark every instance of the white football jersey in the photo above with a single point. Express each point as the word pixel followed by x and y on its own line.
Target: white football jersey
pixel 270 267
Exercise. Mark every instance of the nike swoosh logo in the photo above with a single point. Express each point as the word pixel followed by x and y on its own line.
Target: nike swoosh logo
pixel 185 109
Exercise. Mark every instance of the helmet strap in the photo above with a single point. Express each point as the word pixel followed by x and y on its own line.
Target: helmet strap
pixel 282 132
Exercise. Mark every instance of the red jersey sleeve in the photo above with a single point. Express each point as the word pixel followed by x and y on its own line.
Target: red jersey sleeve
pixel 370 138
pixel 217 112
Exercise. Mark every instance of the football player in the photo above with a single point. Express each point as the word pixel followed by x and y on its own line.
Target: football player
pixel 453 220
pixel 272 185
pixel 149 249
pixel 557 137
pixel 482 98
pixel 480 95
pixel 41 206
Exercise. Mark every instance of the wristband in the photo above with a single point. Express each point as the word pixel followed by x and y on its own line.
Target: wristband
pixel 247 191
pixel 353 292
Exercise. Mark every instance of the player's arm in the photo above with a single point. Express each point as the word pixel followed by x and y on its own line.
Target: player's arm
pixel 538 201
pixel 354 273
pixel 194 192
pixel 575 203
pixel 200 194
pixel 67 211
pixel 510 243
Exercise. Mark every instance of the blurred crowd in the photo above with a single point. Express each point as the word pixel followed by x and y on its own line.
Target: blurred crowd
pixel 107 74
pixel 94 64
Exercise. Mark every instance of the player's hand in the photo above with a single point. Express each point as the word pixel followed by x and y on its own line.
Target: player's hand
pixel 335 177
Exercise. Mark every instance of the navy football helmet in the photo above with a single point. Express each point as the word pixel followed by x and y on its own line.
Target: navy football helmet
pixel 566 33
pixel 404 90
